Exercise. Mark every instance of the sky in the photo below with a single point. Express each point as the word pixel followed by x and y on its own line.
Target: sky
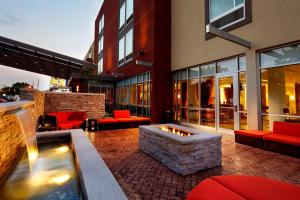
pixel 63 26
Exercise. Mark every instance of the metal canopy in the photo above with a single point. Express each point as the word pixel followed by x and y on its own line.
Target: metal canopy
pixel 34 59
pixel 227 36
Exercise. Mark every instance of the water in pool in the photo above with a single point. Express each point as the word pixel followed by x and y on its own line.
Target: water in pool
pixel 53 176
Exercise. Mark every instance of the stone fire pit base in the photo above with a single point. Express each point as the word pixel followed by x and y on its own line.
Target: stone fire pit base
pixel 184 155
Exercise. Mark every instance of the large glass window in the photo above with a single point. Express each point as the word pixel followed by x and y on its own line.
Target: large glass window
pixel 207 109
pixel 280 94
pixel 101 24
pixel 282 56
pixel 134 94
pixel 227 65
pixel 220 8
pixel 122 16
pixel 243 100
pixel 100 65
pixel 129 43
pixel 129 9
pixel 121 49
pixel 280 85
pixel 207 70
pixel 194 93
pixel 100 45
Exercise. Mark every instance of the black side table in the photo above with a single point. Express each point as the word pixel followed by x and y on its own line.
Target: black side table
pixel 92 124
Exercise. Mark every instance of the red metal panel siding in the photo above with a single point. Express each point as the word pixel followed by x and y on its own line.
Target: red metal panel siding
pixel 161 73
pixel 152 36
pixel 143 36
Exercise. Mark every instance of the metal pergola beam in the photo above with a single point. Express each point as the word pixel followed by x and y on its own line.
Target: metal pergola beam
pixel 27 57
pixel 227 36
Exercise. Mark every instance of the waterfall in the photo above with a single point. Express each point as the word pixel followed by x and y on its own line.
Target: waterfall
pixel 28 130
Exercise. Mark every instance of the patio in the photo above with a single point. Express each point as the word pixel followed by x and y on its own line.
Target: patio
pixel 142 177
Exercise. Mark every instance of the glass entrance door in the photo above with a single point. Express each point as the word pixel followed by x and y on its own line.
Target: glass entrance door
pixel 227 102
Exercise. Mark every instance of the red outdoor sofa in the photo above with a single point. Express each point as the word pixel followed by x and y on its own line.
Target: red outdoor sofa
pixel 121 119
pixel 285 138
pixel 237 187
pixel 69 120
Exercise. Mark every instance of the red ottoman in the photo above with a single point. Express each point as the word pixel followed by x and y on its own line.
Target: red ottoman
pixel 252 138
pixel 244 187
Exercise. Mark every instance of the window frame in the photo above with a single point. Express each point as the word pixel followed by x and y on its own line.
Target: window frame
pixel 123 32
pixel 231 25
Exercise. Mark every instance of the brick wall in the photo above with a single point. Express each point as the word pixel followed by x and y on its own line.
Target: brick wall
pixel 92 104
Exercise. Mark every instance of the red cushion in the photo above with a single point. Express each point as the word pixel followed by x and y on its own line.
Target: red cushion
pixel 125 119
pixel 212 190
pixel 141 119
pixel 285 139
pixel 252 133
pixel 121 114
pixel 253 187
pixel 107 121
pixel 285 128
pixel 70 125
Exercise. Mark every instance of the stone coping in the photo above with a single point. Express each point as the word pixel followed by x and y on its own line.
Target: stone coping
pixel 74 93
pixel 95 178
pixel 198 134
pixel 9 106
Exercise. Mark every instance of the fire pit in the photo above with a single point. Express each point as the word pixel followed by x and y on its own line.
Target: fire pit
pixel 183 150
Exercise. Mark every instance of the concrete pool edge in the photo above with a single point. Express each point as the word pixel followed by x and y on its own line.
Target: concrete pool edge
pixel 95 178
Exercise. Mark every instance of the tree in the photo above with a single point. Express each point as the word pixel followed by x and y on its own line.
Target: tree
pixel 14 89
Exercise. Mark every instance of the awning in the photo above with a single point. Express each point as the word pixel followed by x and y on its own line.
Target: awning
pixel 34 59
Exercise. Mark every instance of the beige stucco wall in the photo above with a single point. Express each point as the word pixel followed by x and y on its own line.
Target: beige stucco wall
pixel 274 22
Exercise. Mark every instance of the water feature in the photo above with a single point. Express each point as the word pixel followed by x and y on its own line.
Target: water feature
pixel 28 130
pixel 46 172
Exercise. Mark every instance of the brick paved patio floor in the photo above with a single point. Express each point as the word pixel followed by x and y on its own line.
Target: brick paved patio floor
pixel 142 177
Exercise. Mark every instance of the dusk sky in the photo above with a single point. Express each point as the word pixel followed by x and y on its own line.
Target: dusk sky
pixel 63 26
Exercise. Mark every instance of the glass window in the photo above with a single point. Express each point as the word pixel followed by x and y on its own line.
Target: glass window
pixel 193 93
pixel 242 63
pixel 227 66
pixel 194 116
pixel 140 94
pixel 100 44
pixel 133 94
pixel 281 56
pixel 184 94
pixel 129 9
pixel 184 75
pixel 121 48
pixel 280 94
pixel 207 69
pixel 207 110
pixel 219 8
pixel 140 78
pixel 194 72
pixel 122 15
pixel 100 65
pixel 129 42
pixel 133 80
pixel 243 100
pixel 101 24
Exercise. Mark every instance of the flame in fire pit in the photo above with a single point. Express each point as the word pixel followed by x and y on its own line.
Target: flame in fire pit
pixel 175 131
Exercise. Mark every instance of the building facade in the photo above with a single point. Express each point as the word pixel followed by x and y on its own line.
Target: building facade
pixel 225 86
pixel 132 45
